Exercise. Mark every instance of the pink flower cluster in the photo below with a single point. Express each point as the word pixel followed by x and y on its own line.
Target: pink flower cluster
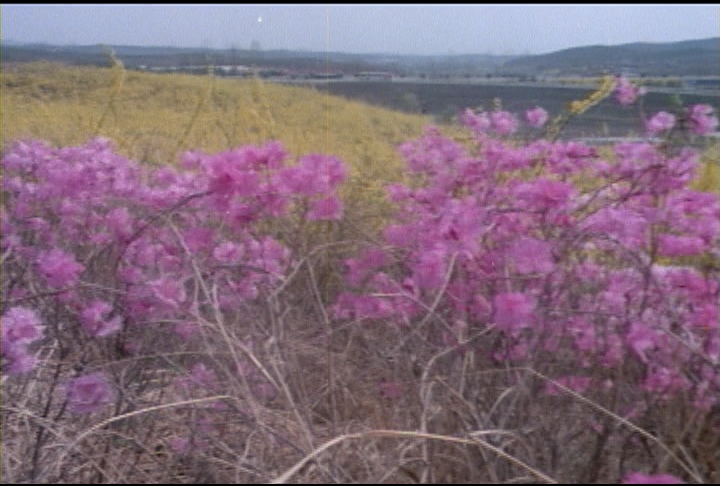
pixel 20 328
pixel 701 120
pixel 661 122
pixel 95 321
pixel 627 93
pixel 640 478
pixel 502 123
pixel 540 262
pixel 76 216
pixel 59 268
pixel 537 117
pixel 88 393
pixel 544 262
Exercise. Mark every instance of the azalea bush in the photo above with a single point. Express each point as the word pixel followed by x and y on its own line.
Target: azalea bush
pixel 111 265
pixel 534 307
pixel 499 253
pixel 552 268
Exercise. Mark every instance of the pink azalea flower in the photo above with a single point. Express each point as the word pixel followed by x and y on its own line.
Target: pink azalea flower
pixel 673 246
pixel 640 478
pixel 325 171
pixel 700 119
pixel 663 381
pixel 269 255
pixel 315 174
pixel 614 351
pixel 517 351
pixel 169 291
pixel 358 268
pixel 88 393
pixel 513 311
pixel 530 255
pixel 271 155
pixel 228 252
pixel 165 176
pixel 230 174
pixel 706 317
pixel 430 270
pixel 712 348
pixel 626 225
pixel 661 122
pixel 477 123
pixel 398 235
pixel 241 214
pixel 544 194
pixel 398 192
pixel 328 208
pixel 94 320
pixel 20 326
pixel 641 339
pixel 59 268
pixel 585 336
pixel 294 180
pixel 198 238
pixel 247 290
pixel 130 275
pixel 20 361
pixel 503 123
pixel 537 117
pixel 626 93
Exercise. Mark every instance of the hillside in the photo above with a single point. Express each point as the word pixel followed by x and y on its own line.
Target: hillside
pixel 694 57
pixel 154 118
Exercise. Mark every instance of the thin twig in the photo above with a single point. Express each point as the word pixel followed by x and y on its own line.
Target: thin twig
pixel 402 434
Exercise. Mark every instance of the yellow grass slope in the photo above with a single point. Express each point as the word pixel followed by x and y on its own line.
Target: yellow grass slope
pixel 154 117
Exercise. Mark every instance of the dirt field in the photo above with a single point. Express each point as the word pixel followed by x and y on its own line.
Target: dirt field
pixel 443 100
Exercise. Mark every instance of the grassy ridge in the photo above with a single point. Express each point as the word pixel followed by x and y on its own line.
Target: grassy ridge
pixel 154 118
pixel 151 116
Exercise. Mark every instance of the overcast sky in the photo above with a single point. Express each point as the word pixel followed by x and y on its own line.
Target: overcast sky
pixel 440 29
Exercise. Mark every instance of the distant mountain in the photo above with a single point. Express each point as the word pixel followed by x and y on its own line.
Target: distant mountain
pixel 686 58
pixel 165 57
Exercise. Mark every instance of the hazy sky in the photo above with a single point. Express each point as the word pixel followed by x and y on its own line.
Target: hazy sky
pixel 440 29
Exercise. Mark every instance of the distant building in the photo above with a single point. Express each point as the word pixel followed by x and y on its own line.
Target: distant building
pixel 374 75
pixel 325 76
pixel 707 83
pixel 628 73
